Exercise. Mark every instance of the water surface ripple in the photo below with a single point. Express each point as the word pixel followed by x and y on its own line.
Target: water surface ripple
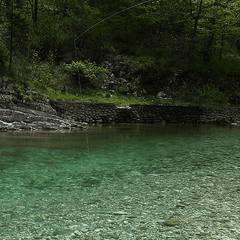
pixel 40 171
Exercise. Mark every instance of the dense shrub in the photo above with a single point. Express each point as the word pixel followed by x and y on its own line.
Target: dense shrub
pixel 152 73
pixel 205 96
pixel 86 73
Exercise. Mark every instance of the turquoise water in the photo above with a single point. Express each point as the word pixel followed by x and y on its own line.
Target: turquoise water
pixel 35 164
pixel 38 161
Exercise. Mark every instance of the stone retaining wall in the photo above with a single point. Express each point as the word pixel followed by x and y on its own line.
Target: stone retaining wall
pixel 137 113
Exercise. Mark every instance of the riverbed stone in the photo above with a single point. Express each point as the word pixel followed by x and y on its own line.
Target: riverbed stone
pixel 171 222
pixel 76 214
pixel 120 213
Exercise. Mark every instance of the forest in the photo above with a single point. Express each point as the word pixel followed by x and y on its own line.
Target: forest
pixel 179 50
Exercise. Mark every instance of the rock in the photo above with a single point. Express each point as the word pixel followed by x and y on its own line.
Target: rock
pixel 171 222
pixel 19 118
pixel 120 213
pixel 163 229
pixel 180 205
pixel 110 221
pixel 77 233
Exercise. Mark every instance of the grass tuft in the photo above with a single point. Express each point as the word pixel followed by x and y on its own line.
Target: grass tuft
pixel 120 100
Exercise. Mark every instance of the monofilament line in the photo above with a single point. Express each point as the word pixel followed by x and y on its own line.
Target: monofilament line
pixel 75 45
pixel 114 14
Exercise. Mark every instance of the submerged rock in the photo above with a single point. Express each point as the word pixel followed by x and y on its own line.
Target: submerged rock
pixel 171 222
pixel 120 213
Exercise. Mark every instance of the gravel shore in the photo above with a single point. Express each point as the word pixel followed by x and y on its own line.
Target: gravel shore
pixel 201 202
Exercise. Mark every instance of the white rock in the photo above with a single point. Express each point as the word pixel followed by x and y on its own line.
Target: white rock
pixel 120 213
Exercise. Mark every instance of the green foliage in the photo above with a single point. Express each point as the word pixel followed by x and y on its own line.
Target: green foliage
pixel 142 64
pixel 206 96
pixel 222 73
pixel 39 74
pixel 3 54
pixel 107 95
pixel 93 95
pixel 170 45
pixel 90 74
pixel 151 72
pixel 101 96
pixel 19 92
pixel 220 68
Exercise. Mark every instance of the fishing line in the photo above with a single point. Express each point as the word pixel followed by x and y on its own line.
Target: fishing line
pixel 94 25
pixel 87 141
pixel 114 14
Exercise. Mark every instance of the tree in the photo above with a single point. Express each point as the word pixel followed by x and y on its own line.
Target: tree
pixel 212 20
pixel 188 39
pixel 35 18
pixel 15 26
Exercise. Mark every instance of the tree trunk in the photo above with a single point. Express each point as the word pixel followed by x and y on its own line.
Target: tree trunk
pixel 11 37
pixel 196 21
pixel 35 11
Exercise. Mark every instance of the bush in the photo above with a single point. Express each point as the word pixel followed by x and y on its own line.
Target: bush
pixel 152 73
pixel 32 74
pixel 90 74
pixel 205 96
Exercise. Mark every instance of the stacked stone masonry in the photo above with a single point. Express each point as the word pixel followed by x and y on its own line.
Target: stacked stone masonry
pixel 137 113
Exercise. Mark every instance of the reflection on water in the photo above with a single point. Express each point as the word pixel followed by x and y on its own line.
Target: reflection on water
pixel 40 160
pixel 57 160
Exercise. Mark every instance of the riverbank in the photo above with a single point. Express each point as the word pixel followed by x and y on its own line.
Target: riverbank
pixel 32 116
pixel 92 112
pixel 62 115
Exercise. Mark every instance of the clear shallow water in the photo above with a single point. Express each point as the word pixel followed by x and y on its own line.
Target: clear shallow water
pixel 33 165
pixel 57 160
